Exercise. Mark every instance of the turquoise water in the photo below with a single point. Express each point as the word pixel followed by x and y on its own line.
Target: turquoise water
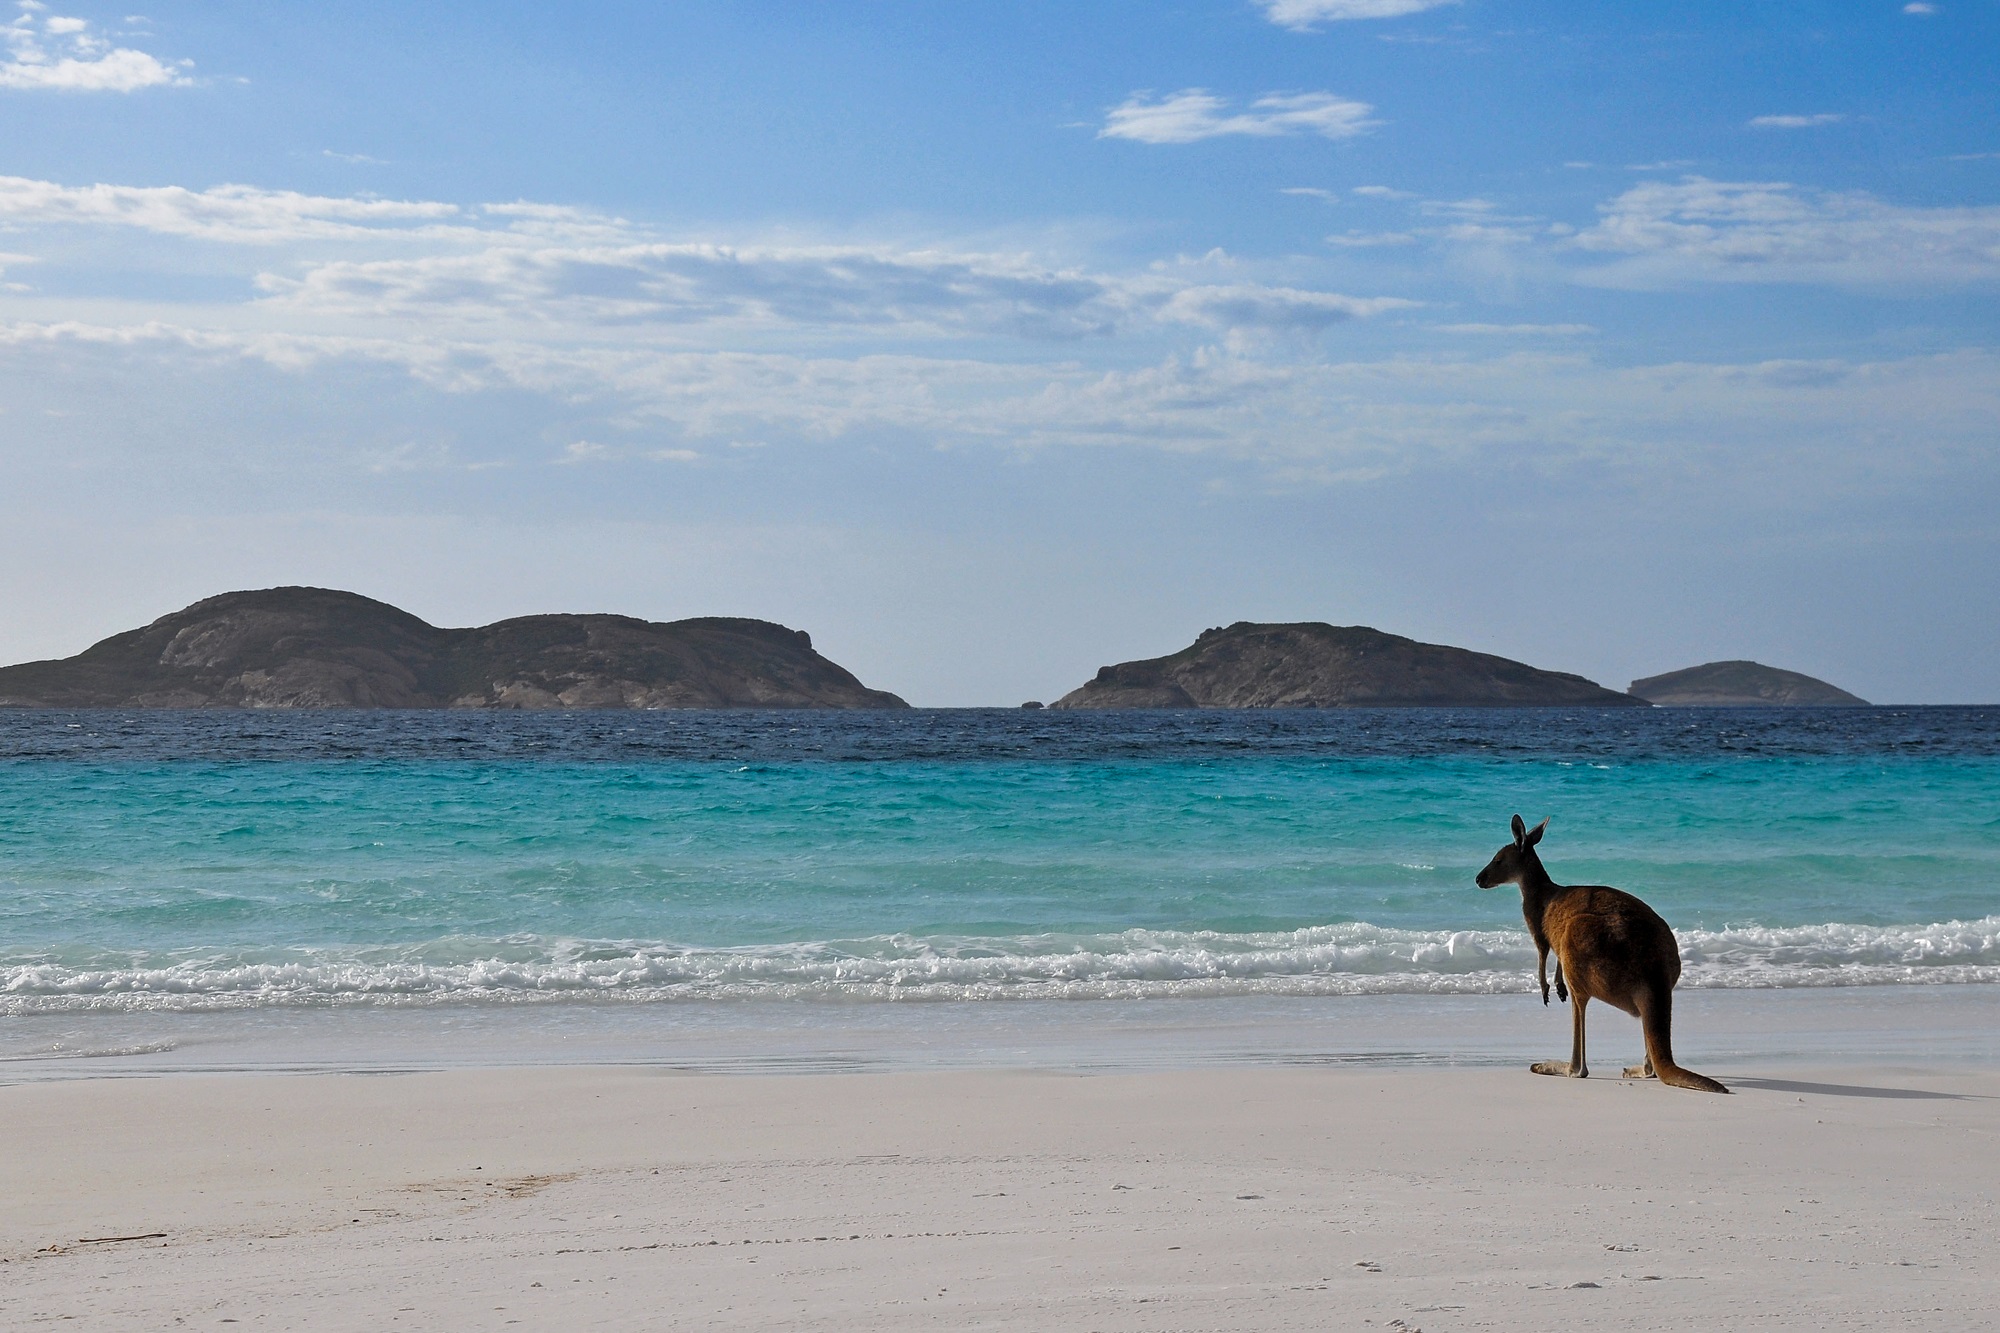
pixel 146 869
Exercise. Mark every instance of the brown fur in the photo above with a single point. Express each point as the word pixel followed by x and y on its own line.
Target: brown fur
pixel 1609 946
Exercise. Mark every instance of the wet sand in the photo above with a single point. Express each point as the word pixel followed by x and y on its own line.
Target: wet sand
pixel 1251 1198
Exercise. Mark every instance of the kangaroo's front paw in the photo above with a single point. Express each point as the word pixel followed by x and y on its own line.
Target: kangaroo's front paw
pixel 1562 993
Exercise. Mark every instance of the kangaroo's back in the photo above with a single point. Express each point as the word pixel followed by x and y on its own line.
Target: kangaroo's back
pixel 1612 946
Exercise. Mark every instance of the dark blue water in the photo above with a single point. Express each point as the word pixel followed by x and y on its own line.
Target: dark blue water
pixel 974 735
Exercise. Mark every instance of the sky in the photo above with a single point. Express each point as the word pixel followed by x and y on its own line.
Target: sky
pixel 992 343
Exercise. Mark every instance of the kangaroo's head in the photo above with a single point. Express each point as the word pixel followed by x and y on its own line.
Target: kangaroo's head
pixel 1511 862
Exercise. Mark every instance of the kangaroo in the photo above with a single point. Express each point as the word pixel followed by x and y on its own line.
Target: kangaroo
pixel 1609 946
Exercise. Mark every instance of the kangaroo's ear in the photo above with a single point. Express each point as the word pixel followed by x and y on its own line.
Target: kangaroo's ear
pixel 1520 832
pixel 1535 834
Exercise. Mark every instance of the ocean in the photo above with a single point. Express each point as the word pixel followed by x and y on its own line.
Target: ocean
pixel 676 871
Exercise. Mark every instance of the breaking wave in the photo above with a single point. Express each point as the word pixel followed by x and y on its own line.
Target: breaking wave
pixel 1347 959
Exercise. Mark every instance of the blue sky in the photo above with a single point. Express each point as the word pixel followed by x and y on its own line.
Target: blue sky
pixel 992 343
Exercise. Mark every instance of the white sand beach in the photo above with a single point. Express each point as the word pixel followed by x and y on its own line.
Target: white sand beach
pixel 1243 1198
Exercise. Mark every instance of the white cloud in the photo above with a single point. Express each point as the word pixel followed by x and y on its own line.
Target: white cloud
pixel 1795 122
pixel 1738 231
pixel 1195 114
pixel 1310 192
pixel 1382 192
pixel 62 54
pixel 531 270
pixel 235 213
pixel 1919 7
pixel 1303 15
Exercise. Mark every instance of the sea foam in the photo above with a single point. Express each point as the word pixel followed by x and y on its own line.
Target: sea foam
pixel 1343 959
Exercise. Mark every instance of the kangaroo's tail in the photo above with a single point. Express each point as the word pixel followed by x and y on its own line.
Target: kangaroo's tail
pixel 1656 1018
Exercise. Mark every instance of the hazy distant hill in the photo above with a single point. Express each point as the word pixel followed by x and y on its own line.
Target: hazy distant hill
pixel 1741 684
pixel 318 648
pixel 1312 665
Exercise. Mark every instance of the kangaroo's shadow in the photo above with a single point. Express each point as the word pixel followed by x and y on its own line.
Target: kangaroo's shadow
pixel 1849 1090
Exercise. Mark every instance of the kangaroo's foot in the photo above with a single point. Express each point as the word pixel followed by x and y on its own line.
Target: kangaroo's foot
pixel 1641 1071
pixel 1560 1068
pixel 1677 1077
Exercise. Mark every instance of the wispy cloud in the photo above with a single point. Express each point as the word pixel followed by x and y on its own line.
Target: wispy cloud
pixel 1194 114
pixel 691 285
pixel 7 261
pixel 1305 15
pixel 1920 7
pixel 1528 330
pixel 1275 309
pixel 1478 221
pixel 233 213
pixel 815 291
pixel 1795 122
pixel 1748 231
pixel 1808 424
pixel 49 52
pixel 525 269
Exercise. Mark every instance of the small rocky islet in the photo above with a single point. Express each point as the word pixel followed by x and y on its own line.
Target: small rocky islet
pixel 1740 684
pixel 1316 665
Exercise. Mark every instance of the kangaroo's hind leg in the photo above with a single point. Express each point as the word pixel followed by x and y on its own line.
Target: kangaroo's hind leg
pixel 1656 1015
pixel 1645 1069
pixel 1576 1068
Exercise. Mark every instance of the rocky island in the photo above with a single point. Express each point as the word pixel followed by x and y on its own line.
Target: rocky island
pixel 1742 685
pixel 318 648
pixel 1313 665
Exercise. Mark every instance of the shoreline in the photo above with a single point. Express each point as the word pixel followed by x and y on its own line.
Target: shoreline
pixel 1252 1198
pixel 1941 1026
